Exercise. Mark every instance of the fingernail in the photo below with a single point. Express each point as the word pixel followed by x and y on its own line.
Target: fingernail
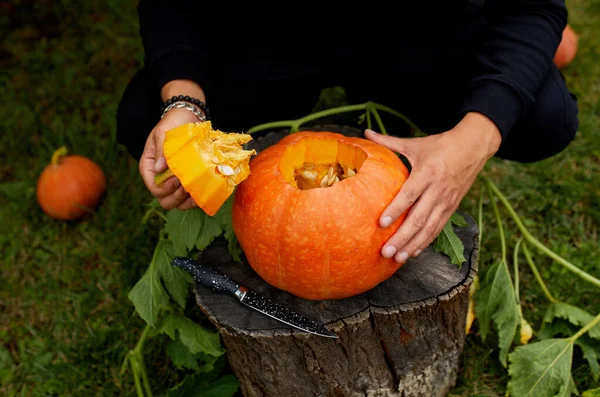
pixel 389 251
pixel 402 257
pixel 370 130
pixel 417 252
pixel 159 164
pixel 385 222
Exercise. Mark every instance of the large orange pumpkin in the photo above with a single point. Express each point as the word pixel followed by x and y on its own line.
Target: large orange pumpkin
pixel 319 240
pixel 567 49
pixel 70 186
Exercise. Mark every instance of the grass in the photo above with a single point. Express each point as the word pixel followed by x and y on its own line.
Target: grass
pixel 65 320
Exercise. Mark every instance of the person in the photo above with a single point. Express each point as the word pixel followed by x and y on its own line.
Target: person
pixel 477 76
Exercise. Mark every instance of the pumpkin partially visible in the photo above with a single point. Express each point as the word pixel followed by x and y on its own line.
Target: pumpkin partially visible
pixel 209 163
pixel 307 217
pixel 70 186
pixel 567 49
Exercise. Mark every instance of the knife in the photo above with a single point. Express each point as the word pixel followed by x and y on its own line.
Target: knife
pixel 217 281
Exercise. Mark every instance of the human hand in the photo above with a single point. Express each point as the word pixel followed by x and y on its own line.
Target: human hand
pixel 152 162
pixel 444 166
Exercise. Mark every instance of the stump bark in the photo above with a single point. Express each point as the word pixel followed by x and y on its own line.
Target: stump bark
pixel 402 338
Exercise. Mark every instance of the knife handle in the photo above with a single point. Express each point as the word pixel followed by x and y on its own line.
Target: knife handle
pixel 206 275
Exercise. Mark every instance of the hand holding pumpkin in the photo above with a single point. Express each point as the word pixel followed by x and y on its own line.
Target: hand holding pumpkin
pixel 152 162
pixel 444 166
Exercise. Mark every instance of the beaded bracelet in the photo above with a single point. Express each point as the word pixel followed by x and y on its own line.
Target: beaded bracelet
pixel 186 98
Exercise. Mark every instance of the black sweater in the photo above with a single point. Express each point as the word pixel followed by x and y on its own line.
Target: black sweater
pixel 264 64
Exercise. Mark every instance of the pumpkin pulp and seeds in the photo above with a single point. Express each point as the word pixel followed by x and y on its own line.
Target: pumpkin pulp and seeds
pixel 311 176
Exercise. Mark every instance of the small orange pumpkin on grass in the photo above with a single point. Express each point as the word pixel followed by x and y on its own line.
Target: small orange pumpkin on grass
pixel 70 187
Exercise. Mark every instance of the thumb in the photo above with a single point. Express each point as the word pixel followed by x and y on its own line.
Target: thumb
pixel 160 164
pixel 398 145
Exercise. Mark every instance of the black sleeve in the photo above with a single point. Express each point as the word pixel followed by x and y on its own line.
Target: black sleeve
pixel 171 33
pixel 516 53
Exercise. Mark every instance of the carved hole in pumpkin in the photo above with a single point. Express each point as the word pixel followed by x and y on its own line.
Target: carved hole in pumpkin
pixel 320 162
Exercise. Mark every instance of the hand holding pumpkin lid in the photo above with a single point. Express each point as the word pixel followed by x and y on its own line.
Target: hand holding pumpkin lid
pixel 209 163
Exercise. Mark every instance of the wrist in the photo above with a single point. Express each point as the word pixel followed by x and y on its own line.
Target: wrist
pixel 481 130
pixel 182 87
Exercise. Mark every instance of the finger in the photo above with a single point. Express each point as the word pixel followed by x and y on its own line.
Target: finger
pixel 175 199
pixel 443 220
pixel 408 195
pixel 160 163
pixel 415 221
pixel 188 204
pixel 398 145
pixel 424 237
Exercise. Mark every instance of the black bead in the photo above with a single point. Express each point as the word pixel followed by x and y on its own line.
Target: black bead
pixel 180 97
pixel 186 98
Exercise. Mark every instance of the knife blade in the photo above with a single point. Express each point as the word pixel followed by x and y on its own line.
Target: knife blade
pixel 220 282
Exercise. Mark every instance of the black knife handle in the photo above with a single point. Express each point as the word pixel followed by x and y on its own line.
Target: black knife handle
pixel 206 275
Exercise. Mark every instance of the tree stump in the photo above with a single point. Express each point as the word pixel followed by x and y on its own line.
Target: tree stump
pixel 402 338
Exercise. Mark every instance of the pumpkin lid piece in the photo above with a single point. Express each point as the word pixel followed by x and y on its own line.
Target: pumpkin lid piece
pixel 209 163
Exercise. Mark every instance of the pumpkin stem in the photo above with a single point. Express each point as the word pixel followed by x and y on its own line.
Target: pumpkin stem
pixel 161 178
pixel 58 153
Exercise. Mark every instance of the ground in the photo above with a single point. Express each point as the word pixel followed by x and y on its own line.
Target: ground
pixel 65 319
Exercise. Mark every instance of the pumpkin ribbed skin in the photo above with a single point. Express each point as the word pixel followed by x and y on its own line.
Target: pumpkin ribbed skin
pixel 70 188
pixel 322 243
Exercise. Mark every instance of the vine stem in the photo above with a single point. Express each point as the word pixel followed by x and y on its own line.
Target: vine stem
pixel 295 124
pixel 370 107
pixel 498 221
pixel 537 275
pixel 516 271
pixel 585 329
pixel 535 242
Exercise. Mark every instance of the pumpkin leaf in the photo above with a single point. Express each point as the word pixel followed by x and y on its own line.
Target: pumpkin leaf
pixel 542 369
pixel 224 216
pixel 496 301
pixel 458 220
pixel 181 356
pixel 209 228
pixel 591 352
pixel 198 385
pixel 184 227
pixel 573 315
pixel 175 280
pixel 148 296
pixel 160 282
pixel 196 338
pixel 591 393
pixel 447 242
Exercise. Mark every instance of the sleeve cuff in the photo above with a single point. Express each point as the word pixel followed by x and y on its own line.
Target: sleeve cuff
pixel 496 100
pixel 180 65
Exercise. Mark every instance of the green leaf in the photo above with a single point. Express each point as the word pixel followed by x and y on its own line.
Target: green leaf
pixel 591 393
pixel 541 369
pixel 175 280
pixel 573 314
pixel 211 229
pixel 181 355
pixel 149 296
pixel 458 220
pixel 495 301
pixel 184 228
pixel 225 219
pixel 591 352
pixel 447 242
pixel 198 386
pixel 192 335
